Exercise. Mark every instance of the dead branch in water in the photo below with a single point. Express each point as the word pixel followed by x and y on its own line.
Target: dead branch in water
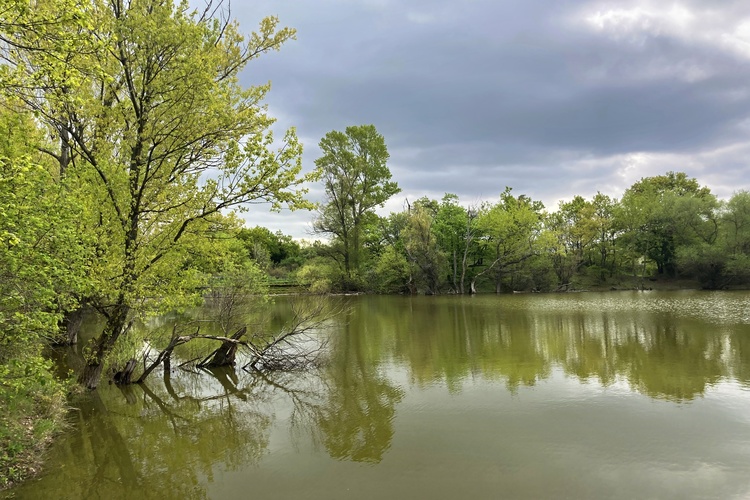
pixel 164 356
pixel 298 345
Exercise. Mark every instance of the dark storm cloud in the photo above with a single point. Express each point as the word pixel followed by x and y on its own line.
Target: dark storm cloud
pixel 553 98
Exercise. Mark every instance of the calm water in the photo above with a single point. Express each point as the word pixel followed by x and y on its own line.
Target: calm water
pixel 615 395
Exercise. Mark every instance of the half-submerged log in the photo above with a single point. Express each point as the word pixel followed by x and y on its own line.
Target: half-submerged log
pixel 123 376
pixel 226 353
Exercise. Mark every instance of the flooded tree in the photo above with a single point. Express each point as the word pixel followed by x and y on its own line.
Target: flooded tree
pixel 145 115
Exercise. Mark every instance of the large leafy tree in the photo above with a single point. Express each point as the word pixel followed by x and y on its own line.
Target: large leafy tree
pixel 661 213
pixel 602 223
pixel 735 236
pixel 457 234
pixel 723 261
pixel 357 180
pixel 510 228
pixel 269 249
pixel 572 225
pixel 144 98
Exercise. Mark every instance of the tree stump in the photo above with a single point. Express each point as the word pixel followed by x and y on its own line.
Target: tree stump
pixel 225 354
pixel 123 377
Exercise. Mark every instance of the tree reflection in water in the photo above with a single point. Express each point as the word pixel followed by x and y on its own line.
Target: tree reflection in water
pixel 160 439
pixel 166 438
pixel 663 354
pixel 357 420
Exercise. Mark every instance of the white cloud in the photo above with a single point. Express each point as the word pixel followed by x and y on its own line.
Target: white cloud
pixel 639 20
pixel 717 168
pixel 738 40
pixel 726 30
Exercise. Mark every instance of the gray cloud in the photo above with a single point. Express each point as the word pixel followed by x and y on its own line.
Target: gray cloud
pixel 554 98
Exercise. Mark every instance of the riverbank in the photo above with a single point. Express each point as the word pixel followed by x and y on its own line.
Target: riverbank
pixel 658 283
pixel 28 423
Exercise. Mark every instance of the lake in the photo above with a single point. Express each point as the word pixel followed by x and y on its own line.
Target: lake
pixel 579 395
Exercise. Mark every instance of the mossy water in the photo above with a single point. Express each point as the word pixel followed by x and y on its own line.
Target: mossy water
pixel 611 395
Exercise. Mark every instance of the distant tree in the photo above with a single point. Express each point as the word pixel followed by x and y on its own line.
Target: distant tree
pixel 509 229
pixel 663 212
pixel 605 232
pixel 575 230
pixel 422 250
pixel 268 248
pixel 356 180
pixel 457 232
pixel 391 271
pixel 724 261
pixel 735 236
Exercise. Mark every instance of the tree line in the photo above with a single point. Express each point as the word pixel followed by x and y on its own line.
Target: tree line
pixel 665 227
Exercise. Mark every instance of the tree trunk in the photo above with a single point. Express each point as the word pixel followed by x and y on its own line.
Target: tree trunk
pixel 347 256
pixel 91 374
pixel 64 157
pixel 71 325
pixel 463 269
pixel 455 272
pixel 116 325
pixel 164 356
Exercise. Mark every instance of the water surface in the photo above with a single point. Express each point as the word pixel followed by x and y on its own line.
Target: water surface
pixel 614 395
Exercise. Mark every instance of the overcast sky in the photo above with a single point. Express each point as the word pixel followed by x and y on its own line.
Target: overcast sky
pixel 550 97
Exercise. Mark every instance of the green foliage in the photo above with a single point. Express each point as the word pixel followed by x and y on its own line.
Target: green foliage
pixel 666 225
pixel 237 292
pixel 271 251
pixel 41 265
pixel 721 259
pixel 422 250
pixel 356 180
pixel 707 263
pixel 510 229
pixel 663 212
pixel 319 275
pixel 392 272
pixel 456 232
pixel 161 137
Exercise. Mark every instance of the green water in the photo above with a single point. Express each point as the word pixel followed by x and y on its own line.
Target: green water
pixel 614 395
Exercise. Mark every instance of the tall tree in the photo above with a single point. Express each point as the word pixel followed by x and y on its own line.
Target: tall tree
pixel 160 132
pixel 356 180
pixel 574 227
pixel 606 232
pixel 735 236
